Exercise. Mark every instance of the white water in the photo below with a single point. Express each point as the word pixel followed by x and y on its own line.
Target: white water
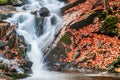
pixel 26 28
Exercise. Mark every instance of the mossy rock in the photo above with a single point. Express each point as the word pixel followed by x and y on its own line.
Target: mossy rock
pixel 66 39
pixel 110 20
pixel 3 2
pixel 112 66
pixel 101 14
pixel 3 66
pixel 58 50
pixel 109 26
pixel 56 54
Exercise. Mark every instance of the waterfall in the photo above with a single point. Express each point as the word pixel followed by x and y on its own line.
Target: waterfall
pixel 27 28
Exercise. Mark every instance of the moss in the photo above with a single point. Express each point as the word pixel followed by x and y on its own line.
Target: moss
pixel 3 2
pixel 66 39
pixel 109 26
pixel 56 54
pixel 101 15
pixel 113 65
pixel 59 49
pixel 110 20
pixel 3 67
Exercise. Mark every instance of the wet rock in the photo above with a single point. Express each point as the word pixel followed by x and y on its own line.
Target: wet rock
pixel 7 8
pixel 60 66
pixel 2 44
pixel 16 76
pixel 66 1
pixel 4 15
pixel 53 20
pixel 27 66
pixel 44 12
pixel 34 12
pixel 17 2
pixel 39 25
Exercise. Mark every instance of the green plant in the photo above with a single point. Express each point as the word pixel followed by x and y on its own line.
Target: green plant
pixel 110 26
pixel 3 1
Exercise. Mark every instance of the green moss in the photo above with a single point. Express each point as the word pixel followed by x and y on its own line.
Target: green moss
pixel 110 26
pixel 3 1
pixel 113 65
pixel 66 39
pixel 3 67
pixel 59 49
pixel 111 20
pixel 101 15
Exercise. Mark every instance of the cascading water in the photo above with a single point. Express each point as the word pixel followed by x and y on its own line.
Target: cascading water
pixel 27 28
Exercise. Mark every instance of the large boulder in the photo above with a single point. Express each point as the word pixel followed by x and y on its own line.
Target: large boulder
pixel 17 2
pixel 44 12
